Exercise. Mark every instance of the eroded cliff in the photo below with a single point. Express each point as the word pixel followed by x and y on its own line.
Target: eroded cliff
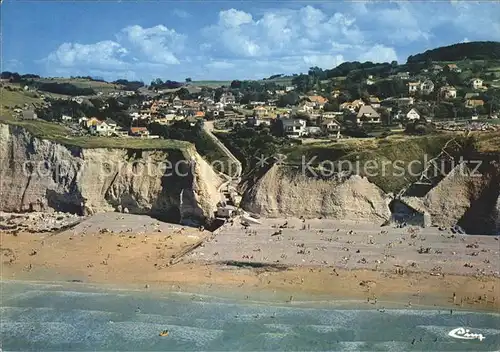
pixel 40 175
pixel 281 192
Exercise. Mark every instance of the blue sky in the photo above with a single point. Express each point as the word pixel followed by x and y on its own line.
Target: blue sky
pixel 228 40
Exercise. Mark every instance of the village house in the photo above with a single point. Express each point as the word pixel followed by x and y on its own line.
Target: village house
pixel 413 115
pixel 476 83
pixel 413 87
pixel 374 101
pixel 294 128
pixel 254 121
pixel 454 68
pixel 91 122
pixel 403 75
pixel 29 115
pixel 289 88
pixel 336 93
pixel 331 126
pixel 352 106
pixel 227 98
pixel 260 111
pixel 448 92
pixel 102 128
pixel 427 87
pixel 318 101
pixel 367 114
pixel 473 103
pixel 66 118
pixel 370 81
pixel 436 68
pixel 307 107
pixel 139 131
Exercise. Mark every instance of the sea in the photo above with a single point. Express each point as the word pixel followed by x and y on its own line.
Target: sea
pixel 80 317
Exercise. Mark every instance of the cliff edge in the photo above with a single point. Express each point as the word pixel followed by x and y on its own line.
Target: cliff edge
pixel 41 175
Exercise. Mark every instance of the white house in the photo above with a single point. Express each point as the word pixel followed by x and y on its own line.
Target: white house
pixel 66 118
pixel 413 87
pixel 331 126
pixel 448 92
pixel 413 115
pixel 476 83
pixel 294 128
pixel 427 87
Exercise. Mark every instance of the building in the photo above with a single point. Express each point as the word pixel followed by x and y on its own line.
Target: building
pixel 473 103
pixel 260 111
pixel 227 98
pixel 29 115
pixel 294 128
pixel 448 92
pixel 103 129
pixel 352 106
pixel 413 87
pixel 454 68
pixel 312 130
pixel 367 114
pixel 254 121
pixel 476 83
pixel 139 131
pixel 66 118
pixel 413 115
pixel 427 87
pixel 318 101
pixel 374 102
pixel 331 126
pixel 403 75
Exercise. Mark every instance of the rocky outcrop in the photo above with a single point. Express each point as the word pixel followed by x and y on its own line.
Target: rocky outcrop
pixel 465 197
pixel 40 175
pixel 282 192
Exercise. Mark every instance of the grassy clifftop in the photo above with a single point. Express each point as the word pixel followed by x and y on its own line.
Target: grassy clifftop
pixel 391 163
pixel 60 134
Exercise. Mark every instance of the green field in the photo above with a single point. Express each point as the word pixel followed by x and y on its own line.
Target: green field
pixel 83 83
pixel 285 81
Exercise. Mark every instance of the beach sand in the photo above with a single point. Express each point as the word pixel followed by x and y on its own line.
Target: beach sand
pixel 146 258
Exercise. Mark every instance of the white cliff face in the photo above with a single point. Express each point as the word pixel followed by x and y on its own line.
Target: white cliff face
pixel 40 175
pixel 279 194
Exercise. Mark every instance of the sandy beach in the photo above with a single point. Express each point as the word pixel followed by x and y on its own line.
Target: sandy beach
pixel 296 265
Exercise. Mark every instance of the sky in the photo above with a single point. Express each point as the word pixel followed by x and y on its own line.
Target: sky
pixel 225 40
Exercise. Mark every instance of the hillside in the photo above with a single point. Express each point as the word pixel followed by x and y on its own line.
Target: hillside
pixel 461 51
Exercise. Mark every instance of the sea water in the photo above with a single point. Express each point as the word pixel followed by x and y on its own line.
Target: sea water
pixel 70 317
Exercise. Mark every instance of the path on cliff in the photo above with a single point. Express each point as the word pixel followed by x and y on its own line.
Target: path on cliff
pixel 232 180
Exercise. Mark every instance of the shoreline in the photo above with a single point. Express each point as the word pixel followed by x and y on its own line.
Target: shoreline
pixel 432 295
pixel 336 263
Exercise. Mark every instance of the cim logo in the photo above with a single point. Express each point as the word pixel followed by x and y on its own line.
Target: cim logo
pixel 465 334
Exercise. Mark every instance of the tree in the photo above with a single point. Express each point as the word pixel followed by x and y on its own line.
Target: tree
pixel 291 98
pixel 188 80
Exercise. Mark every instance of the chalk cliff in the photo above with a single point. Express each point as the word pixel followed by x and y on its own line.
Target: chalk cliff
pixel 281 192
pixel 41 175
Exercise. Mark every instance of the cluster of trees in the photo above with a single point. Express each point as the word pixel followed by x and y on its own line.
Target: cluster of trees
pixel 15 77
pixel 129 85
pixel 461 51
pixel 168 84
pixel 63 88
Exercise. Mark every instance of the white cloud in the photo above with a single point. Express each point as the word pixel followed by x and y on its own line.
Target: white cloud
pixel 234 18
pixel 135 51
pixel 104 54
pixel 156 43
pixel 379 53
pixel 181 14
